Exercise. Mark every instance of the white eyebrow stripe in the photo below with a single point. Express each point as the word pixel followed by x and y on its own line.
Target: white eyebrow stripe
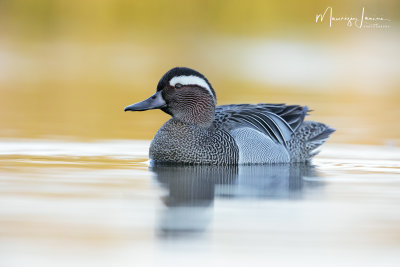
pixel 188 80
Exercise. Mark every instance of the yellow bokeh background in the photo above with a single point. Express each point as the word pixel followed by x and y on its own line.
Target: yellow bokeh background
pixel 68 68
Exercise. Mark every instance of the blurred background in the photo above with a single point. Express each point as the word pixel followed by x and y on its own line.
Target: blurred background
pixel 68 68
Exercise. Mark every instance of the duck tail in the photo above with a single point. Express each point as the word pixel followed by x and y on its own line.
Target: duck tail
pixel 307 138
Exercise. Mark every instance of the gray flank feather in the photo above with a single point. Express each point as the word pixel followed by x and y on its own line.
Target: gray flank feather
pixel 278 121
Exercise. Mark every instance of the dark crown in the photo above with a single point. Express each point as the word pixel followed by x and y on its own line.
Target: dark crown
pixel 181 71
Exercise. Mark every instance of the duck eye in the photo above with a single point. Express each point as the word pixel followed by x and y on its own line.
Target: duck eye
pixel 178 85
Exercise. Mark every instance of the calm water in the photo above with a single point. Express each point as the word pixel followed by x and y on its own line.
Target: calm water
pixel 100 204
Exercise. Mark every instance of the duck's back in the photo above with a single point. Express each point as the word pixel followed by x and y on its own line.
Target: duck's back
pixel 271 133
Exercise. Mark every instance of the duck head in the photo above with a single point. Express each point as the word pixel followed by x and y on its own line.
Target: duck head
pixel 185 94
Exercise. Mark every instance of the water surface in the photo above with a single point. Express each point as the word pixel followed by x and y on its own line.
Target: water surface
pixel 101 204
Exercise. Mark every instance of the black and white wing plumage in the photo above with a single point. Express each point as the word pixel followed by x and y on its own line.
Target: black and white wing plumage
pixel 278 121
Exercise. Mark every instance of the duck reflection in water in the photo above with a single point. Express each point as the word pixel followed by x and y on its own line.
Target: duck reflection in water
pixel 191 190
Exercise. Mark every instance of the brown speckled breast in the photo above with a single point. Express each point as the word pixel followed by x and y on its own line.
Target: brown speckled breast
pixel 178 142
